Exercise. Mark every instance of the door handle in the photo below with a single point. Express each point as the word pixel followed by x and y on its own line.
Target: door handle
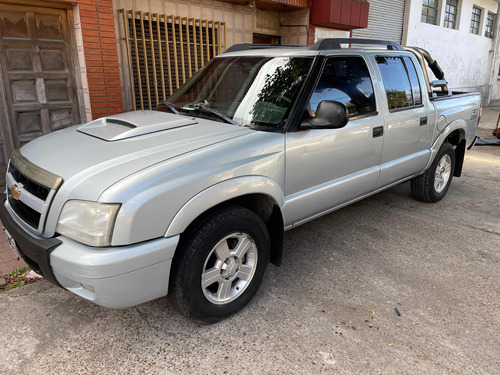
pixel 378 131
pixel 423 121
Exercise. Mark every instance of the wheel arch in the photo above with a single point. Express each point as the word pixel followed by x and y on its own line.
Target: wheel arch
pixel 455 134
pixel 457 139
pixel 259 194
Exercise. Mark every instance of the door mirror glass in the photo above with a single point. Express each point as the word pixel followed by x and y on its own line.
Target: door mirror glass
pixel 329 115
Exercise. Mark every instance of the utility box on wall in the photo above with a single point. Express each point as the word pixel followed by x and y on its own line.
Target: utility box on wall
pixel 340 14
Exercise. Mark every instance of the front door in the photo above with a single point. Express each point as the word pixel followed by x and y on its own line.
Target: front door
pixel 37 84
pixel 326 168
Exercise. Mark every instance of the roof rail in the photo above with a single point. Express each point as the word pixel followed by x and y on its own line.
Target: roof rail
pixel 335 43
pixel 249 46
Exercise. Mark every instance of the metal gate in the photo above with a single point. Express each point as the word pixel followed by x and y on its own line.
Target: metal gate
pixel 164 51
pixel 385 21
pixel 37 83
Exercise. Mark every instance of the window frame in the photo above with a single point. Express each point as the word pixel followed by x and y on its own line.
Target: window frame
pixel 476 21
pixel 411 84
pixel 370 73
pixel 414 106
pixel 491 32
pixel 426 15
pixel 448 13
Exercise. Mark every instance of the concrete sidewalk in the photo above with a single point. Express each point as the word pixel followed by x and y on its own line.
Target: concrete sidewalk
pixel 489 119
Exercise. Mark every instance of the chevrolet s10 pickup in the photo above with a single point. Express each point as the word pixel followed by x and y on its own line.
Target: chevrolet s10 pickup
pixel 192 199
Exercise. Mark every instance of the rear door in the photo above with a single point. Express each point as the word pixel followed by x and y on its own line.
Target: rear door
pixel 326 168
pixel 408 127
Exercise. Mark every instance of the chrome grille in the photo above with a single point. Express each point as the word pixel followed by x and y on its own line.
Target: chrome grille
pixel 37 190
pixel 30 190
pixel 25 213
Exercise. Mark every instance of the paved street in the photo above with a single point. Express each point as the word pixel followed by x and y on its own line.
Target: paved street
pixel 329 309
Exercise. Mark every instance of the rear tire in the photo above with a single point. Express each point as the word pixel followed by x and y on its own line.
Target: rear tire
pixel 220 265
pixel 432 185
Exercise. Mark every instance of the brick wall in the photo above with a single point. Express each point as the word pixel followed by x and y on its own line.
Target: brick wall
pixel 311 37
pixel 101 57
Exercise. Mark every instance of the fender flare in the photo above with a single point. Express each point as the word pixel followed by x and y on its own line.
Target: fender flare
pixel 459 124
pixel 220 193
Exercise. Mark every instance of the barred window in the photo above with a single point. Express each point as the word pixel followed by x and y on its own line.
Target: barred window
pixel 430 11
pixel 490 24
pixel 165 51
pixel 475 20
pixel 450 15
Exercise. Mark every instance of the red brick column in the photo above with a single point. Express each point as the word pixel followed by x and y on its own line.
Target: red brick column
pixel 312 33
pixel 101 56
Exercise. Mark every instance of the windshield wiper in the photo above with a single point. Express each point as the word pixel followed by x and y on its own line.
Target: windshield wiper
pixel 169 106
pixel 207 110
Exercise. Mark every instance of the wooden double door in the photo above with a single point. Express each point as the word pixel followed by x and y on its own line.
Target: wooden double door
pixel 37 75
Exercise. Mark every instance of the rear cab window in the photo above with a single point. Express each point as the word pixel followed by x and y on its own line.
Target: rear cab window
pixel 401 82
pixel 345 79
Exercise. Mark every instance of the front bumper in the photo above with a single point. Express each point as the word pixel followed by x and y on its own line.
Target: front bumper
pixel 34 251
pixel 115 277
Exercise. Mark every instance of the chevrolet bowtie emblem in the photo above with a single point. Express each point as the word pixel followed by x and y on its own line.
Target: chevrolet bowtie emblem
pixel 16 193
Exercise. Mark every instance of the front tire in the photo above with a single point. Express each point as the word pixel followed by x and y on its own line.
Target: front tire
pixel 220 265
pixel 432 185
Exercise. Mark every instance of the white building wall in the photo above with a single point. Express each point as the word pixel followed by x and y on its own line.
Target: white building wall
pixel 323 33
pixel 467 59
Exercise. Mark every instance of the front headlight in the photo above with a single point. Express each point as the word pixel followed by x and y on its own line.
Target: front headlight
pixel 87 222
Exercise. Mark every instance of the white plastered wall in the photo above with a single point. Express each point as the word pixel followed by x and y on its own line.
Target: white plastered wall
pixel 467 59
pixel 322 33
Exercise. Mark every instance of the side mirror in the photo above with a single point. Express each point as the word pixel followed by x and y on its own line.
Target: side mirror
pixel 329 115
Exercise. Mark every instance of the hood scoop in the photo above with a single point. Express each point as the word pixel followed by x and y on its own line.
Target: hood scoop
pixel 120 122
pixel 134 124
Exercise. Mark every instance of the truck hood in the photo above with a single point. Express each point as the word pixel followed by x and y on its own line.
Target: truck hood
pixel 134 124
pixel 91 157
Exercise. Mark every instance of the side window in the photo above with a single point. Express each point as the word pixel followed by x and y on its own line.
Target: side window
pixel 415 84
pixel 396 82
pixel 400 81
pixel 345 80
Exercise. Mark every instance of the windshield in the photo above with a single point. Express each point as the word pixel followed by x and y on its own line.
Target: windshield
pixel 247 90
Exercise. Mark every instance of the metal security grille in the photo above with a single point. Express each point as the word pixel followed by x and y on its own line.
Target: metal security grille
pixel 164 51
pixel 385 21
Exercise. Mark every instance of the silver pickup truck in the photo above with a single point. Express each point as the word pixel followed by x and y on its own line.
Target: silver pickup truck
pixel 192 200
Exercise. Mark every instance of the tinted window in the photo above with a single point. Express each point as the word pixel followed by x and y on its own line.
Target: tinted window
pixel 346 80
pixel 396 82
pixel 251 90
pixel 415 85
